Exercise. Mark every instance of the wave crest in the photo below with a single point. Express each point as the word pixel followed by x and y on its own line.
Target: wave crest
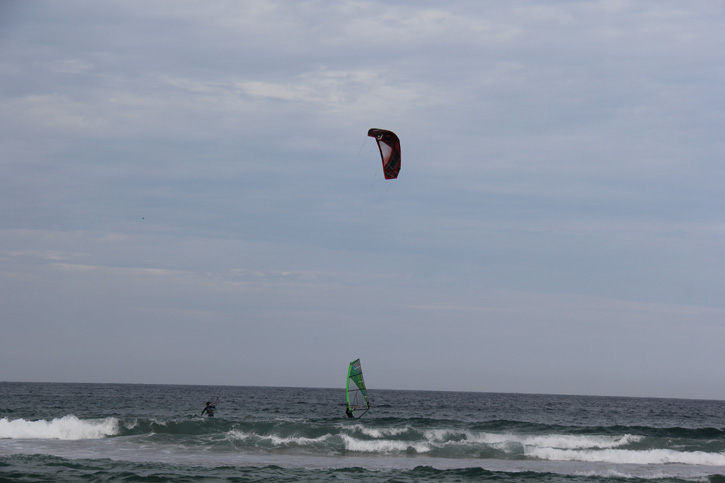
pixel 66 428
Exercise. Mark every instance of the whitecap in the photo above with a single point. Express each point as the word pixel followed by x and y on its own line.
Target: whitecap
pixel 383 446
pixel 620 456
pixel 66 428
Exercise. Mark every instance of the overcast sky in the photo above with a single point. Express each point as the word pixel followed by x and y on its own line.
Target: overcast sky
pixel 188 194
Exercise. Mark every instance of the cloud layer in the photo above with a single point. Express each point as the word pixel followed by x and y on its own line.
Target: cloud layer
pixel 189 195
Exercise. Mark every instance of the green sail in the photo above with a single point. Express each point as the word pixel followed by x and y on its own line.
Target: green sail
pixel 357 393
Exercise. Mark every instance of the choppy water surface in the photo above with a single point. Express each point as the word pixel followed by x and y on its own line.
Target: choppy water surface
pixel 106 432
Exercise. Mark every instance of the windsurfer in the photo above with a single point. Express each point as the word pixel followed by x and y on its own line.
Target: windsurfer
pixel 356 394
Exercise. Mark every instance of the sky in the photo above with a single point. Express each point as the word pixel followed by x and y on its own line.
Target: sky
pixel 188 194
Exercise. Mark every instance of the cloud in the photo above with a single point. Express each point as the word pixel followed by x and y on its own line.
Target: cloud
pixel 54 112
pixel 183 170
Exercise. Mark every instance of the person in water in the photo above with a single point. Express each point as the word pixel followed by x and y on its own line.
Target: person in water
pixel 348 411
pixel 209 409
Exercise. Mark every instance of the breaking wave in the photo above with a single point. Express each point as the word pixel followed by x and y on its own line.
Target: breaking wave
pixel 66 428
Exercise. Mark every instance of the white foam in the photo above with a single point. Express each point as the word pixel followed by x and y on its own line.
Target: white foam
pixel 621 456
pixel 131 424
pixel 67 428
pixel 277 440
pixel 236 434
pixel 445 435
pixel 435 438
pixel 383 446
pixel 557 441
pixel 381 432
pixel 296 441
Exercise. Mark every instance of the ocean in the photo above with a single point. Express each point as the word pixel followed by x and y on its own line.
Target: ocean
pixel 130 432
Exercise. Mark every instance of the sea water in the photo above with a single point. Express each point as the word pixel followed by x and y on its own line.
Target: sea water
pixel 112 432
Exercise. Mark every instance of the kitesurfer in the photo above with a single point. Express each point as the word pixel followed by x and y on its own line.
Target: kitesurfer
pixel 209 409
pixel 348 411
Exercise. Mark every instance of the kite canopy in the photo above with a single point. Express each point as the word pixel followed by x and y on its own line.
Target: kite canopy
pixel 389 146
